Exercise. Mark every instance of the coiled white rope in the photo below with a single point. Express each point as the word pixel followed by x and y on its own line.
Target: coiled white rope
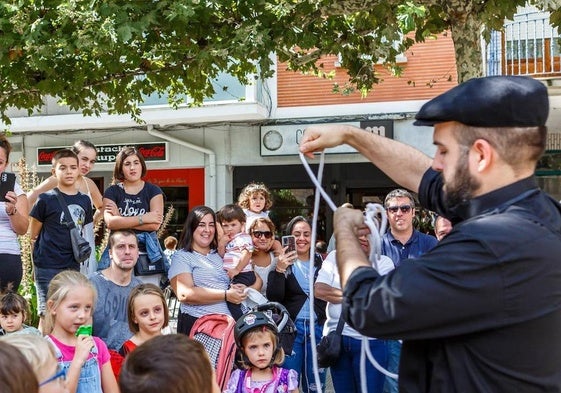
pixel 377 229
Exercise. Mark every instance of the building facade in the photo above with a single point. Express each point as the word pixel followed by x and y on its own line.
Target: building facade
pixel 206 155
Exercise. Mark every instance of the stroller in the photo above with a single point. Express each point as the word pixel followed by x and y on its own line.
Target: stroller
pixel 216 333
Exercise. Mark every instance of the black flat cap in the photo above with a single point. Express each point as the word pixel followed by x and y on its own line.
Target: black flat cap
pixel 493 101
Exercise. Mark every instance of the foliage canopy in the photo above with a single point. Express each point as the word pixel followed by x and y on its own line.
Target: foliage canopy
pixel 106 55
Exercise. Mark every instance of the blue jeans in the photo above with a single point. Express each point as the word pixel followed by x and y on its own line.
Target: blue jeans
pixel 43 277
pixel 394 348
pixel 301 358
pixel 346 372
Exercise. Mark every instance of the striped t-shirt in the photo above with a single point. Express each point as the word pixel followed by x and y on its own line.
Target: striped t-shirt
pixel 207 272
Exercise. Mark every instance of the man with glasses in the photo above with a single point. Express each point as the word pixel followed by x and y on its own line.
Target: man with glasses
pixel 481 311
pixel 401 241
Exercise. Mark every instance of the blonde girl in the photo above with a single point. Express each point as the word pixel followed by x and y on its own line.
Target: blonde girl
pixel 70 301
pixel 148 314
pixel 255 200
pixel 256 336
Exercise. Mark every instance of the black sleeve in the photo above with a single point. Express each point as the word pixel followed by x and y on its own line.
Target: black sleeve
pixel 429 296
pixel 276 286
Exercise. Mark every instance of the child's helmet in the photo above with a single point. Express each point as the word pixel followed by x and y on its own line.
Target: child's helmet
pixel 285 325
pixel 250 321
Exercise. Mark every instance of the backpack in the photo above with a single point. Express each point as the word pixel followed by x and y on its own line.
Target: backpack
pixel 216 333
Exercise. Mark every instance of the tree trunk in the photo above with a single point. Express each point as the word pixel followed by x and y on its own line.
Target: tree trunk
pixel 467 44
pixel 466 34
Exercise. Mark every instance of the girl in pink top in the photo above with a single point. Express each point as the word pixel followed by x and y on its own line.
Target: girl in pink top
pixel 70 301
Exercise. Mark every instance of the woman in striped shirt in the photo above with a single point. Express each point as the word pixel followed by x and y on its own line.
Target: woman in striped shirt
pixel 196 274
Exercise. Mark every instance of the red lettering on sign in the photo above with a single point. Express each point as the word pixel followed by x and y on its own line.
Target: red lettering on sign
pixel 45 157
pixel 153 152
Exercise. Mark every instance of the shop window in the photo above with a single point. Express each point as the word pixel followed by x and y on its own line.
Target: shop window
pixel 292 202
pixel 178 197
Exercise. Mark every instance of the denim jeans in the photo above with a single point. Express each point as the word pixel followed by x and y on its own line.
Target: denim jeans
pixel 394 348
pixel 301 358
pixel 43 277
pixel 346 372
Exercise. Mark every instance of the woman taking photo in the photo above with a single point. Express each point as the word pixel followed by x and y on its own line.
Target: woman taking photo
pixel 87 155
pixel 196 274
pixel 289 284
pixel 132 203
pixel 14 219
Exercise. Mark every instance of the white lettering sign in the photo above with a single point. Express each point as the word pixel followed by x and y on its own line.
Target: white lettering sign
pixel 283 140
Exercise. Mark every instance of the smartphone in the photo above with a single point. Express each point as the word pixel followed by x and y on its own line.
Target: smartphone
pixel 7 183
pixel 289 241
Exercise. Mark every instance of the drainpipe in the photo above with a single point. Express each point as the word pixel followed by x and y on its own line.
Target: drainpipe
pixel 211 158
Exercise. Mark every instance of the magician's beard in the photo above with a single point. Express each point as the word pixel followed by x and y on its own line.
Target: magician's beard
pixel 460 188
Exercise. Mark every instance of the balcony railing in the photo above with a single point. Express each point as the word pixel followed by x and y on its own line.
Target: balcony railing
pixel 529 45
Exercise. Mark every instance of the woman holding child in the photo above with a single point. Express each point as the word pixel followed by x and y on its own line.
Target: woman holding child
pixel 196 274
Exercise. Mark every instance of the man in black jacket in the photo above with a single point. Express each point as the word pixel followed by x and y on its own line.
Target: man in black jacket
pixel 480 312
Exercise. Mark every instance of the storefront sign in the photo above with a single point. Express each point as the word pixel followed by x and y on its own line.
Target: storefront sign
pixel 283 140
pixel 151 152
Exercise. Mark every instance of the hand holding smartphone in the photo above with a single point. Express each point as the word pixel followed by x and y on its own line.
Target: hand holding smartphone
pixel 7 183
pixel 289 241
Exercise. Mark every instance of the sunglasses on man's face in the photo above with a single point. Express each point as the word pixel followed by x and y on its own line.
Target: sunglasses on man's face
pixel 403 208
pixel 267 234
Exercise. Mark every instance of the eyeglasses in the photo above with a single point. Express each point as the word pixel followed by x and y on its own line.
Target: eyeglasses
pixel 60 373
pixel 403 208
pixel 267 234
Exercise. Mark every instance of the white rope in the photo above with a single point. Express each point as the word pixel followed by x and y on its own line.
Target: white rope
pixel 312 270
pixel 317 182
pixel 377 366
pixel 377 229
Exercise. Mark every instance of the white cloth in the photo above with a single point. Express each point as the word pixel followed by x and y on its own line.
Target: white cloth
pixel 251 216
pixel 329 275
pixel 263 271
pixel 254 298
